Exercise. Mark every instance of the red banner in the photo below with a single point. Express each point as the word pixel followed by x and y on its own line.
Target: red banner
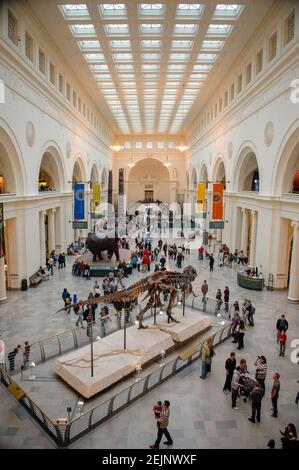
pixel 217 208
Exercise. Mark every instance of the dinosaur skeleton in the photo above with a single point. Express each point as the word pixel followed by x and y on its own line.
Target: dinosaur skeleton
pixel 153 286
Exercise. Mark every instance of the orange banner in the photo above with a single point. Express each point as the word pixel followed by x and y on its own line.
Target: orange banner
pixel 201 195
pixel 217 208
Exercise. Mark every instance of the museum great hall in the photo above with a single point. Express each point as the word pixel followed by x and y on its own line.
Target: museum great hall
pixel 163 105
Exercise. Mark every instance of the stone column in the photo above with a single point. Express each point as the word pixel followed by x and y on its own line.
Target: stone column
pixel 244 237
pixel 42 238
pixel 293 294
pixel 51 230
pixel 3 297
pixel 219 235
pixel 253 238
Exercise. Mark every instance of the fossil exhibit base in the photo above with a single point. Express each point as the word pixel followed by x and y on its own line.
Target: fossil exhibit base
pixel 112 363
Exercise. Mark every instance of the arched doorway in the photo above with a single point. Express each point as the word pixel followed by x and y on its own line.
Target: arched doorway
pixel 51 171
pixel 12 181
pixel 249 176
pixel 149 181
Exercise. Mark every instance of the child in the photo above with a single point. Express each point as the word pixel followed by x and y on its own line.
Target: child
pixel 282 338
pixel 157 408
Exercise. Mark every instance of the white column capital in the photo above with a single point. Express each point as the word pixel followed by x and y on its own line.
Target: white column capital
pixel 43 213
pixel 244 210
pixel 52 211
pixel 253 213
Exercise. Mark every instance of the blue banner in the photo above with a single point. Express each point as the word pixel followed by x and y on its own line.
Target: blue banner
pixel 78 201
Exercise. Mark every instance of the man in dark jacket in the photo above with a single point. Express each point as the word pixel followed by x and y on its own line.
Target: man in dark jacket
pixel 281 324
pixel 230 365
pixel 256 396
pixel 211 262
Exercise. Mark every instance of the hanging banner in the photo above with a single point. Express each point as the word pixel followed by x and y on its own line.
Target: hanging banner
pixel 79 201
pixel 2 244
pixel 96 197
pixel 217 207
pixel 201 195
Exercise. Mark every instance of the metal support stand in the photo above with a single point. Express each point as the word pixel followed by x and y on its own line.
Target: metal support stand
pixel 155 313
pixel 91 347
pixel 184 302
pixel 125 331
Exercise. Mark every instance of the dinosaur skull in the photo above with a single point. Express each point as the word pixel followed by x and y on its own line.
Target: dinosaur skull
pixel 191 272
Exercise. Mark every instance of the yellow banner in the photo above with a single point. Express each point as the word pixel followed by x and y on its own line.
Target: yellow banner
pixel 96 196
pixel 201 195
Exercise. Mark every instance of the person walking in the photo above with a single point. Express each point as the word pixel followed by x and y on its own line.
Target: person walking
pixel 282 338
pixel 240 334
pixel 11 357
pixel 281 325
pixel 204 290
pixel 230 365
pixel 79 310
pixel 65 295
pixel 211 262
pixel 162 427
pixel 275 394
pixel 26 352
pixel 261 371
pixel 2 353
pixel 218 301
pixel 235 387
pixel 60 261
pixel 50 265
pixel 256 397
pixel 205 353
pixel 226 299
pixel 209 357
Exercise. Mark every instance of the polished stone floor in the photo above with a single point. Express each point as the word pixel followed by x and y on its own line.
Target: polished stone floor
pixel 201 415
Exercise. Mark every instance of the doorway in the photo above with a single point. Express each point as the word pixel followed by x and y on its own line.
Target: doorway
pixel 149 196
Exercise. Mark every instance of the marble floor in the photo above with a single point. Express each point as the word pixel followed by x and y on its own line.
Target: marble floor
pixel 201 414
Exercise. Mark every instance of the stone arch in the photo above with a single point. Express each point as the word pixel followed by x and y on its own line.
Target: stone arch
pixel 193 179
pixel 51 169
pixel 287 162
pixel 246 172
pixel 219 169
pixel 104 179
pixel 78 174
pixel 187 179
pixel 94 174
pixel 203 173
pixel 12 169
pixel 149 177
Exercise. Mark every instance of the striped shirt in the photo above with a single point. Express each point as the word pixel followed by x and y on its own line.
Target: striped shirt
pixel 261 371
pixel 164 420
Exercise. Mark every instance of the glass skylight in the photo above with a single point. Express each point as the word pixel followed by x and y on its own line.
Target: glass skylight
pixel 94 57
pixel 150 56
pixel 146 28
pixel 125 67
pixel 74 11
pixel 151 9
pixel 110 10
pixel 98 67
pixel 220 29
pixel 189 9
pixel 89 45
pixel 185 28
pixel 176 67
pixel 150 44
pixel 117 29
pixel 198 76
pixel 120 44
pixel 206 57
pixel 228 10
pixel 182 44
pixel 122 57
pixel 126 76
pixel 82 29
pixel 150 67
pixel 150 76
pixel 179 57
pixel 202 67
pixel 215 45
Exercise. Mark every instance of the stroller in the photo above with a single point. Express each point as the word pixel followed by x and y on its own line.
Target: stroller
pixel 248 386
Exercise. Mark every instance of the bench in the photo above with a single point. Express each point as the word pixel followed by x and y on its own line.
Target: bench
pixel 35 279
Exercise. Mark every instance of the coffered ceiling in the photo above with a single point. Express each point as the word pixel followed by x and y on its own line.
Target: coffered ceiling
pixel 151 66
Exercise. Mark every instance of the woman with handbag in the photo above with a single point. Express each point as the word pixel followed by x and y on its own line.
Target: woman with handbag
pixel 240 334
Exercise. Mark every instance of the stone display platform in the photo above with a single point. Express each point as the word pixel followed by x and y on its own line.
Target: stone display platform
pixel 150 341
pixel 190 325
pixel 123 255
pixel 109 367
pixel 112 362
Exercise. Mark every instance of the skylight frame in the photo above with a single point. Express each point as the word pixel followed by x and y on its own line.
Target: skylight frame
pixel 76 12
pixel 117 29
pixel 92 57
pixel 151 11
pixel 120 44
pixel 204 57
pixel 122 57
pixel 146 44
pixel 79 30
pixel 188 11
pixel 179 57
pixel 219 29
pixel 185 29
pixel 111 13
pixel 151 29
pixel 227 12
pixel 92 45
pixel 212 45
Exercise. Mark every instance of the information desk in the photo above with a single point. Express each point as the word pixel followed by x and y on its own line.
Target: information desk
pixel 254 283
